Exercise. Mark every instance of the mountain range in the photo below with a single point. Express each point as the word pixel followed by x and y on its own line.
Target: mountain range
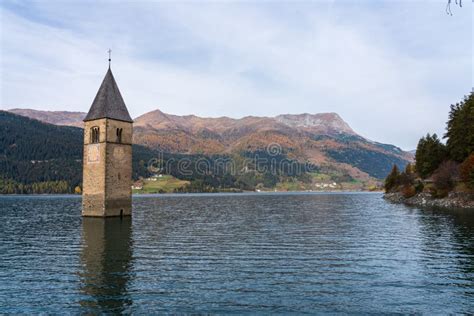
pixel 323 139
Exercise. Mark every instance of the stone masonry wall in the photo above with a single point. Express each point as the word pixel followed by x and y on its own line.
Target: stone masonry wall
pixel 107 170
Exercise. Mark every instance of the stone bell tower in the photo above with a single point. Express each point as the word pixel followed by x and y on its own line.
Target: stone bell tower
pixel 107 167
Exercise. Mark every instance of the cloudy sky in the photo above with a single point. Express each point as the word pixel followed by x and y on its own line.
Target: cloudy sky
pixel 389 68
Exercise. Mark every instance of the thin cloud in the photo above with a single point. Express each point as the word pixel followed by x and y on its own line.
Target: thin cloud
pixel 390 70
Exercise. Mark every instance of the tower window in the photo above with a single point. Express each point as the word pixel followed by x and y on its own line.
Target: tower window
pixel 95 133
pixel 119 135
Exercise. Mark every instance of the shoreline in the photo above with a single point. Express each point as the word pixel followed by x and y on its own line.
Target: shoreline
pixel 455 200
pixel 203 193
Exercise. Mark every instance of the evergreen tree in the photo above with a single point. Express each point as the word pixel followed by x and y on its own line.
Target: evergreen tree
pixel 460 129
pixel 430 153
pixel 391 181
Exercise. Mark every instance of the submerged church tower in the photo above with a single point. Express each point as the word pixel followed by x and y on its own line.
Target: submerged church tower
pixel 107 166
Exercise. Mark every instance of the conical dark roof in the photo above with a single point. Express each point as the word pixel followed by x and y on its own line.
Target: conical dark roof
pixel 108 102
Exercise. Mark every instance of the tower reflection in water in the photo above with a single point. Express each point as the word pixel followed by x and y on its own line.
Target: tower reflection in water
pixel 105 264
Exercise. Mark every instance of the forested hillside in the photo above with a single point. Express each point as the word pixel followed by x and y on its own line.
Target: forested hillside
pixel 36 157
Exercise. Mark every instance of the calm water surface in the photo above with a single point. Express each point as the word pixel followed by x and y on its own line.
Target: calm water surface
pixel 255 253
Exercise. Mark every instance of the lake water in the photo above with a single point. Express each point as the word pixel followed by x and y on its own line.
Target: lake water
pixel 240 253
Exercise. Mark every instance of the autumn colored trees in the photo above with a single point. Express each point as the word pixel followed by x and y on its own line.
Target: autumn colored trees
pixel 444 165
pixel 467 171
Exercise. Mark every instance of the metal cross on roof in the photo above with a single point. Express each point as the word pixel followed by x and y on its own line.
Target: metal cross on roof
pixel 110 54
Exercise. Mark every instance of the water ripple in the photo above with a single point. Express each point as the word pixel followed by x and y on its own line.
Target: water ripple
pixel 242 253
